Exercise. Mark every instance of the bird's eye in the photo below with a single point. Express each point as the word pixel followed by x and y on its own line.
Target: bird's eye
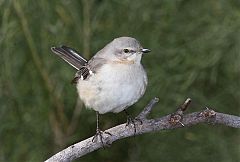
pixel 126 51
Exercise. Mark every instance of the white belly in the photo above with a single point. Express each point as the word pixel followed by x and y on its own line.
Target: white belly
pixel 113 88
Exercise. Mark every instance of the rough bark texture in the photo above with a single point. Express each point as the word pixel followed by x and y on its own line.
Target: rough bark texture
pixel 171 121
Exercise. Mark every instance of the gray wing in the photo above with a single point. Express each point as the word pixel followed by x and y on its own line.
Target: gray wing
pixel 71 56
pixel 86 71
pixel 96 63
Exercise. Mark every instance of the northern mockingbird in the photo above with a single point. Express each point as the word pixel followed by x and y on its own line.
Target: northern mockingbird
pixel 113 79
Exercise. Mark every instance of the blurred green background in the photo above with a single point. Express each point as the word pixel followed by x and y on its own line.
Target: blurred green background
pixel 195 53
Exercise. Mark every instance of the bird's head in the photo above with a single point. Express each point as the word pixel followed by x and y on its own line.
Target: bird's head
pixel 125 49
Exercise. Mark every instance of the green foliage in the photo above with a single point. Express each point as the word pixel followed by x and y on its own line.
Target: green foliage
pixel 195 53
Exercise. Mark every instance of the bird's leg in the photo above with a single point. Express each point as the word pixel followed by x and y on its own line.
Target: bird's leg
pixel 99 132
pixel 130 120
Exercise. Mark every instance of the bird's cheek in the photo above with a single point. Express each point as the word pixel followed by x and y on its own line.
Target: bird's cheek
pixel 131 57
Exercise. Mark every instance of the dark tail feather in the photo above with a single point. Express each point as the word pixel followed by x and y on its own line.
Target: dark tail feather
pixel 70 55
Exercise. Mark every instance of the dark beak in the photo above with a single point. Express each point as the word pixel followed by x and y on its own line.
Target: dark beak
pixel 145 50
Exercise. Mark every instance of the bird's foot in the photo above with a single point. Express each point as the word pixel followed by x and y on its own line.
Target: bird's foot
pixel 131 121
pixel 100 135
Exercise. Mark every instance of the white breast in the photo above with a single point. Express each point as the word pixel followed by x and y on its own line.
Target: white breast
pixel 113 88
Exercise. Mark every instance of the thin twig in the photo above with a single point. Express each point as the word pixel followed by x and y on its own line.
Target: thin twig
pixel 177 116
pixel 87 6
pixel 38 63
pixel 75 117
pixel 148 109
pixel 185 105
pixel 57 116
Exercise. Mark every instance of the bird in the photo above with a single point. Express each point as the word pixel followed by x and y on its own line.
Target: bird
pixel 112 80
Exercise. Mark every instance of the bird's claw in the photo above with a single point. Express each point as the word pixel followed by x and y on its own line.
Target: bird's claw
pixel 99 133
pixel 132 121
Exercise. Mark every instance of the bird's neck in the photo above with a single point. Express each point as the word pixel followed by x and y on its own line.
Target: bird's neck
pixel 126 62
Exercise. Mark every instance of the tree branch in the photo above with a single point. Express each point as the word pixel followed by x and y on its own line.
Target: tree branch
pixel 171 121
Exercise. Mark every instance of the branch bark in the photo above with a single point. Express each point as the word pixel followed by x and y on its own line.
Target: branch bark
pixel 171 121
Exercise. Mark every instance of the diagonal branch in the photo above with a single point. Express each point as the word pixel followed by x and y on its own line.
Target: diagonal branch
pixel 171 121
pixel 148 108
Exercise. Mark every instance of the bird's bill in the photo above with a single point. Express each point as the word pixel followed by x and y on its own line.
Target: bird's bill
pixel 145 50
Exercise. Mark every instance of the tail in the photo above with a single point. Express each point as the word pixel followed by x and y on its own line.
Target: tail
pixel 70 55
